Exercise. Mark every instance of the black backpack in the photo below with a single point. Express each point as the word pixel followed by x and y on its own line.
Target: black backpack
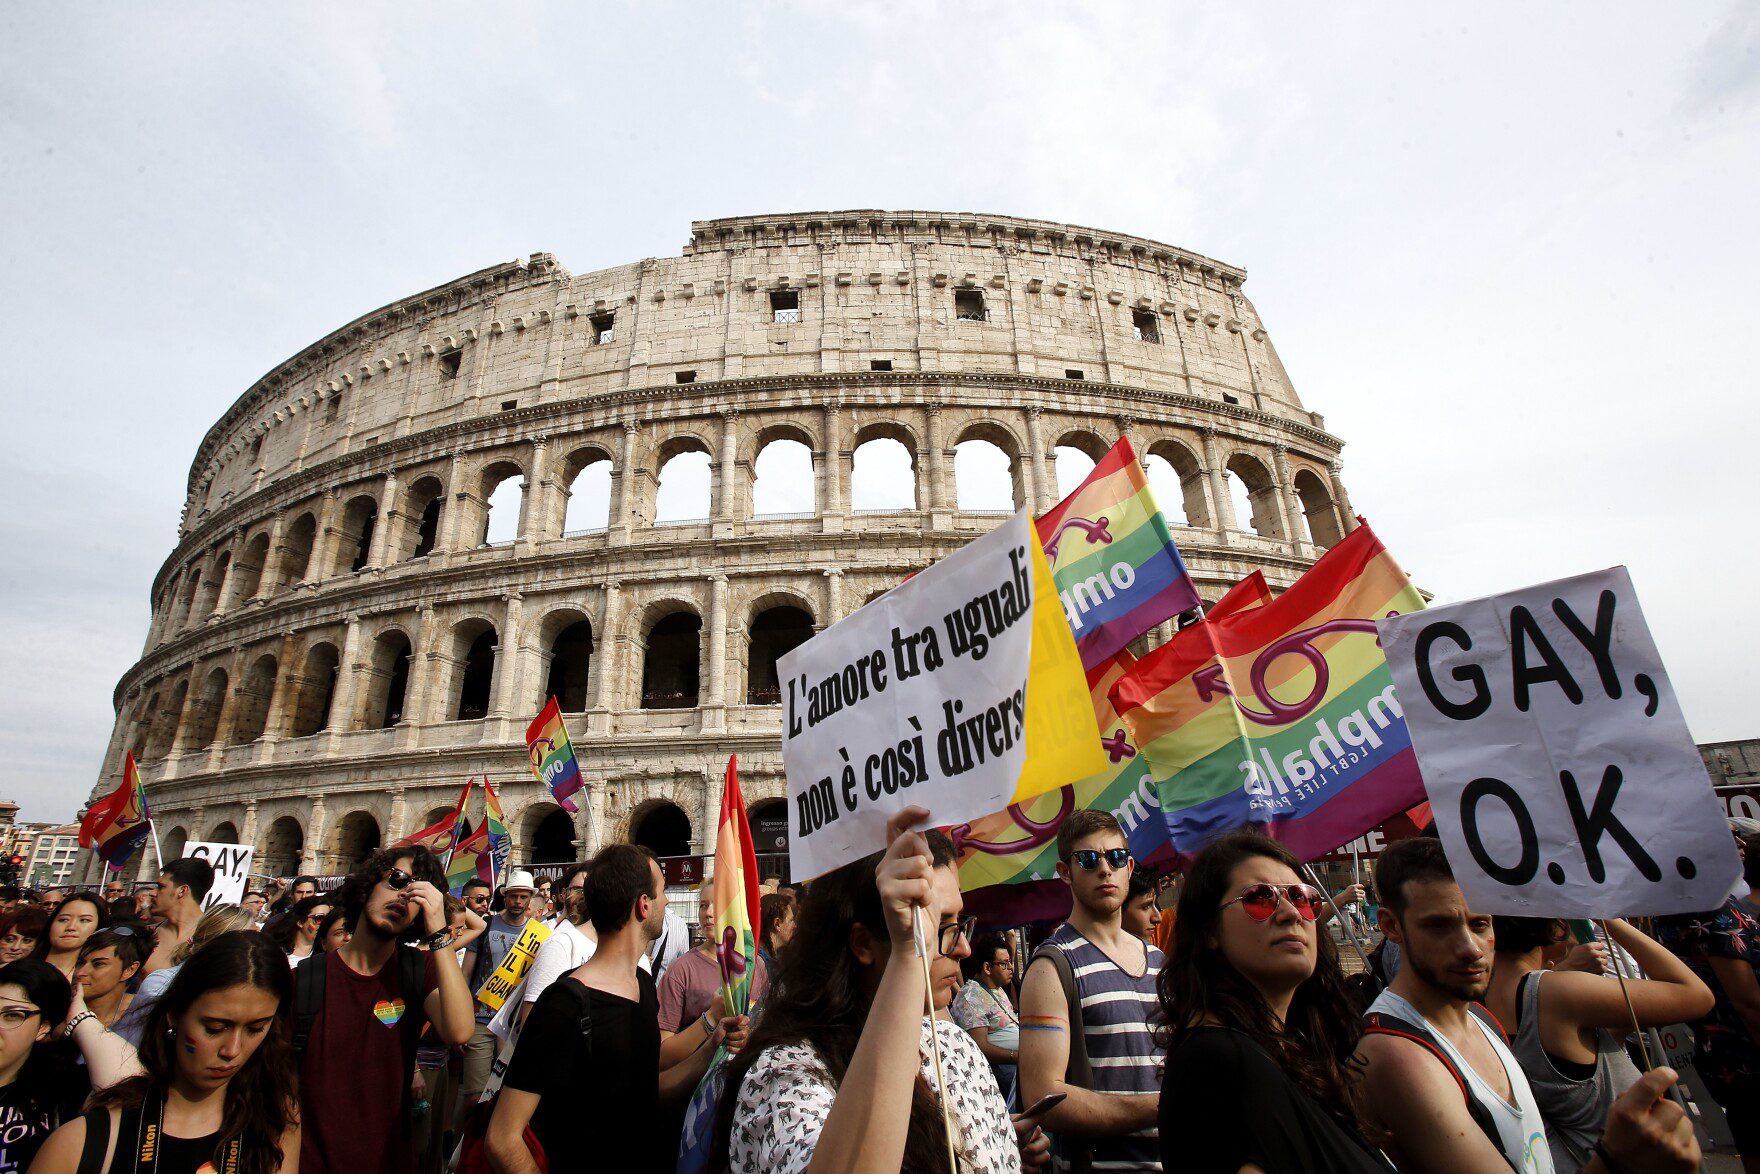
pixel 1381 1023
pixel 308 999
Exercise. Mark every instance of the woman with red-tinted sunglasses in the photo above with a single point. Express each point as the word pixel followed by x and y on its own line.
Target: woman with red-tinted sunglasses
pixel 1259 1023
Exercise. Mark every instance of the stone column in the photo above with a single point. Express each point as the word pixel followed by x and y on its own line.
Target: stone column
pixel 385 529
pixel 1127 429
pixel 534 508
pixel 1041 488
pixel 247 832
pixel 1341 501
pixel 1222 506
pixel 1287 500
pixel 272 560
pixel 715 709
pixel 348 680
pixel 833 596
pixel 323 542
pixel 311 857
pixel 394 823
pixel 425 662
pixel 607 662
pixel 623 488
pixel 275 722
pixel 833 486
pixel 727 490
pixel 508 659
pixel 936 461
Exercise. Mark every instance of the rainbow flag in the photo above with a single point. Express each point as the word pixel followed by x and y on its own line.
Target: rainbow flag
pixel 1117 571
pixel 552 756
pixel 441 838
pixel 1249 593
pixel 500 840
pixel 735 895
pixel 1282 717
pixel 118 823
pixel 470 861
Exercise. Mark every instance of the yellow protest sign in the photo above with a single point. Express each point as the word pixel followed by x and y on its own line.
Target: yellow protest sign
pixel 512 970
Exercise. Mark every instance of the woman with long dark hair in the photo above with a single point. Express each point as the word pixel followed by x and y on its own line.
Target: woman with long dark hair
pixel 20 930
pixel 1259 1023
pixel 838 1076
pixel 219 1087
pixel 71 922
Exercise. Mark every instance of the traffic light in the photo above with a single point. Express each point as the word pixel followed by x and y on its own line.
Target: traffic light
pixel 10 869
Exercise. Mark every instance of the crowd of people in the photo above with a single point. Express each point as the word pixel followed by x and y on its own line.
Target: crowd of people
pixel 351 1030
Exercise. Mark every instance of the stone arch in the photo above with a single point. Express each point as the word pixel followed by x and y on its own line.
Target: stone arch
pixel 247 573
pixel 204 712
pixel 1264 512
pixel 420 518
pixel 314 690
pixel 1073 457
pixel 985 453
pixel 284 845
pixel 775 630
pixel 585 505
pixel 769 822
pixel 213 584
pixel 885 475
pixel 251 709
pixel 567 640
pixel 143 726
pixel 175 841
pixel 784 473
pixel 354 543
pixel 499 503
pixel 661 826
pixel 357 837
pixel 296 552
pixel 1177 480
pixel 474 647
pixel 689 496
pixel 672 646
pixel 548 835
pixel 163 735
pixel 224 832
pixel 191 594
pixel 386 687
pixel 1317 508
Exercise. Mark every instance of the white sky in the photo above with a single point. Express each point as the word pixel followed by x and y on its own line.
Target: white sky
pixel 1509 253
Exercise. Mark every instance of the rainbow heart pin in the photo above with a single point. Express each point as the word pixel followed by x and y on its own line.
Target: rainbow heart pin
pixel 388 1011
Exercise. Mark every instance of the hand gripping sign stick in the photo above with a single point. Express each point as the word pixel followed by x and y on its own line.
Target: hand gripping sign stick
pixel 1619 970
pixel 921 935
pixel 1337 913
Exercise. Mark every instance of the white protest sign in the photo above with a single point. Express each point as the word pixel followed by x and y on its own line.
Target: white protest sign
pixel 922 698
pixel 1559 767
pixel 232 864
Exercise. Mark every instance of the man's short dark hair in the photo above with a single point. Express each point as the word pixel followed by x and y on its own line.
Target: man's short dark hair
pixel 133 944
pixel 476 882
pixel 303 879
pixel 1142 881
pixel 1082 824
pixel 1418 859
pixel 616 877
pixel 193 871
pixel 352 895
pixel 984 949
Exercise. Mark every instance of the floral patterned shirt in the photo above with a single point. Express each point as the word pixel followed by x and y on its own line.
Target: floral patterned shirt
pixel 977 1005
pixel 1723 1051
pixel 788 1093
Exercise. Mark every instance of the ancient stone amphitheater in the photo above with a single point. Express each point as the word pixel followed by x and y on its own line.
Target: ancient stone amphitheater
pixel 400 541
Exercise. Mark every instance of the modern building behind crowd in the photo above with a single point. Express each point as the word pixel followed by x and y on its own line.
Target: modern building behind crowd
pixel 53 856
pixel 528 483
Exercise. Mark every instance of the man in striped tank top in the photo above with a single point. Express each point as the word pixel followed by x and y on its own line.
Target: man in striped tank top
pixel 1091 969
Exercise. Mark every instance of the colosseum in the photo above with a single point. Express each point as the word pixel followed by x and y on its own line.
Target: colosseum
pixel 634 489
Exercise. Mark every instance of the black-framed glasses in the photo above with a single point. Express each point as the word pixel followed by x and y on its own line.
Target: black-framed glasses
pixel 1260 901
pixel 1088 859
pixel 398 880
pixel 948 937
pixel 14 1017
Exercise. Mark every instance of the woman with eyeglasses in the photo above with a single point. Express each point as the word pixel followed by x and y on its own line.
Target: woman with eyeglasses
pixel 1259 1023
pixel 838 1073
pixel 20 930
pixel 218 1090
pixel 216 921
pixel 44 1033
pixel 73 920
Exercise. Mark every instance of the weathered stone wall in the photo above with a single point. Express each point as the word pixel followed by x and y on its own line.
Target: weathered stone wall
pixel 525 370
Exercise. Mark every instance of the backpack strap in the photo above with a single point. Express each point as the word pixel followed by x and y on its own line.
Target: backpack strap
pixel 1078 1070
pixel 1382 1023
pixel 308 998
pixel 412 982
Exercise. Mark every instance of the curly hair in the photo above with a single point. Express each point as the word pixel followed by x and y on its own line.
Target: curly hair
pixel 1199 986
pixel 262 1098
pixel 352 895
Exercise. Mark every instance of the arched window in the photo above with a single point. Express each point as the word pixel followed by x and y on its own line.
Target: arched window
pixel 421 514
pixel 174 843
pixel 1177 482
pixel 355 546
pixel 224 833
pixel 550 832
pixel 283 846
pixel 1073 467
pixel 247 576
pixel 296 547
pixel 143 728
pixel 571 660
pixel 1254 494
pixel 164 732
pixel 783 480
pixel 204 712
pixel 357 837
pixel 191 595
pixel 388 681
pixel 769 822
pixel 589 493
pixel 883 477
pixel 316 690
pixel 664 829
pixel 775 633
pixel 683 493
pixel 251 710
pixel 474 646
pixel 670 662
pixel 213 583
pixel 983 476
pixel 504 492
pixel 1317 508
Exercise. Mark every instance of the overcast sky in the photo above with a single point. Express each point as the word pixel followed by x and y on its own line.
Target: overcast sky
pixel 1510 254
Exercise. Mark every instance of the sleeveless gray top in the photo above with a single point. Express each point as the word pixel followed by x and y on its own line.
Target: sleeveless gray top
pixel 1575 1110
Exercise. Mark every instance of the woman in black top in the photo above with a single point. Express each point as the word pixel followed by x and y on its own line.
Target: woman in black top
pixel 219 1083
pixel 1259 1023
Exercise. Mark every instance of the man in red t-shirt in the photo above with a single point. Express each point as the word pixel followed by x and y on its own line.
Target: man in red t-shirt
pixel 360 1053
